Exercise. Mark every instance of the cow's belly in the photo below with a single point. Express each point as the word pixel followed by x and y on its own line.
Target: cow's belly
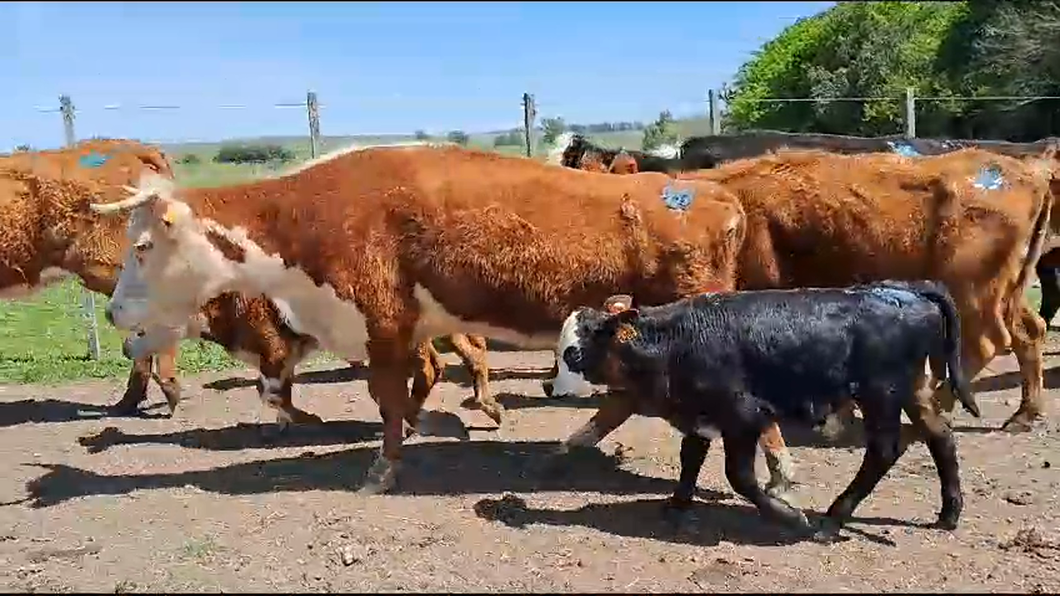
pixel 435 320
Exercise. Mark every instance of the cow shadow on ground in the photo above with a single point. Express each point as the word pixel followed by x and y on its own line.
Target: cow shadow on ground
pixel 517 401
pixel 1011 380
pixel 430 468
pixel 344 374
pixel 258 436
pixel 51 410
pixel 707 524
pixel 453 373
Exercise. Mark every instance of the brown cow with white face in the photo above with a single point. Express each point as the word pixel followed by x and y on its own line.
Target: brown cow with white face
pixel 52 233
pixel 375 250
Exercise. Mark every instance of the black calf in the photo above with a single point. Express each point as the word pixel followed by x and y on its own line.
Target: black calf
pixel 730 364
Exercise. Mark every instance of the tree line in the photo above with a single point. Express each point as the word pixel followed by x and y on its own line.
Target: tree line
pixel 943 50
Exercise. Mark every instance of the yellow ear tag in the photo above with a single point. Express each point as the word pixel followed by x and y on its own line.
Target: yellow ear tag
pixel 169 216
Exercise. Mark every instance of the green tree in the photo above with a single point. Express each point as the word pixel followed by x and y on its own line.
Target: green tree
pixel 553 127
pixel 422 135
pixel 661 132
pixel 459 137
pixel 854 49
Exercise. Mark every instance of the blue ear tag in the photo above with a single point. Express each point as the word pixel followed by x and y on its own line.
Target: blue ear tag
pixel 989 178
pixel 677 200
pixel 902 148
pixel 92 160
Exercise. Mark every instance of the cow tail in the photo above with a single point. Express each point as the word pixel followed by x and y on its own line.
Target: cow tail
pixel 938 294
pixel 1034 248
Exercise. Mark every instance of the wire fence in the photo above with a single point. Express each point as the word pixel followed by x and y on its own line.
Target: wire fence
pixel 697 116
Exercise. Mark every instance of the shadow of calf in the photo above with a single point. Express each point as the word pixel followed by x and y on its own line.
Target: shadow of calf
pixel 708 523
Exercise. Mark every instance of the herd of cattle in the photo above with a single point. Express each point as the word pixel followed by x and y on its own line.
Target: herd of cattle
pixel 735 282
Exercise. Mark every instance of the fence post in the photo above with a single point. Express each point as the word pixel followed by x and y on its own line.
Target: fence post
pixel 313 110
pixel 910 113
pixel 88 299
pixel 714 112
pixel 529 114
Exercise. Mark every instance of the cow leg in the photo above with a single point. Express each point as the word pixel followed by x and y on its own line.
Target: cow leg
pixel 778 460
pixel 426 371
pixel 740 449
pixel 167 376
pixel 616 409
pixel 882 418
pixel 388 354
pixel 693 453
pixel 1027 337
pixel 135 388
pixel 939 438
pixel 472 352
pixel 275 389
pixel 1050 283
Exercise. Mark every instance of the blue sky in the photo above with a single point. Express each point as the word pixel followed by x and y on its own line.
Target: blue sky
pixel 377 67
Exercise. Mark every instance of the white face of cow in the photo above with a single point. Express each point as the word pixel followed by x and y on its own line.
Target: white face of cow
pixel 567 382
pixel 171 268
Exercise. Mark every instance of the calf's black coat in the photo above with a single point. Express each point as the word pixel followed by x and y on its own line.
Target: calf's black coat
pixel 731 363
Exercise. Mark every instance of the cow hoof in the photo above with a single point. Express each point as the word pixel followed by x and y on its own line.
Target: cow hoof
pixel 381 478
pixel 171 390
pixel 126 407
pixel 495 412
pixel 546 388
pixel 827 536
pixel 946 521
pixel 1022 422
pixel 827 533
pixel 782 492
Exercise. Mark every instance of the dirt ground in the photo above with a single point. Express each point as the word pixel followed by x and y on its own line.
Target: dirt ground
pixel 201 502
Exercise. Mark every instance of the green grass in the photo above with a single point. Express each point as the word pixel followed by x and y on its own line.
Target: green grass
pixel 44 340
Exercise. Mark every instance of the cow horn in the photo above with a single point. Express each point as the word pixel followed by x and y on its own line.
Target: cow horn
pixel 138 198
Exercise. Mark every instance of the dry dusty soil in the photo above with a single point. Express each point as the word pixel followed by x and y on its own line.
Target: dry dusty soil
pixel 201 502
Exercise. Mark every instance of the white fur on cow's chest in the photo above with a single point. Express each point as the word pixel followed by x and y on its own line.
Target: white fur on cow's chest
pixel 338 326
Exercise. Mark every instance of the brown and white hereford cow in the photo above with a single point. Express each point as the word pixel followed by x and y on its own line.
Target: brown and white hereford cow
pixel 376 250
pixel 972 219
pixel 51 233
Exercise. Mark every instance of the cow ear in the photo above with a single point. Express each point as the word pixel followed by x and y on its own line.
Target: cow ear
pixel 618 303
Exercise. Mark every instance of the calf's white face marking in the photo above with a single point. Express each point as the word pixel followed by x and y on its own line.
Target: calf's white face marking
pixel 567 382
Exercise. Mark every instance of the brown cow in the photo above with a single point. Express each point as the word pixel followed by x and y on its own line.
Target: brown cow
pixel 52 189
pixel 49 232
pixel 377 249
pixel 820 219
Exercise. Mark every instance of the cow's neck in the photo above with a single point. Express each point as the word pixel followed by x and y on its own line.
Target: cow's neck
pixel 255 239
